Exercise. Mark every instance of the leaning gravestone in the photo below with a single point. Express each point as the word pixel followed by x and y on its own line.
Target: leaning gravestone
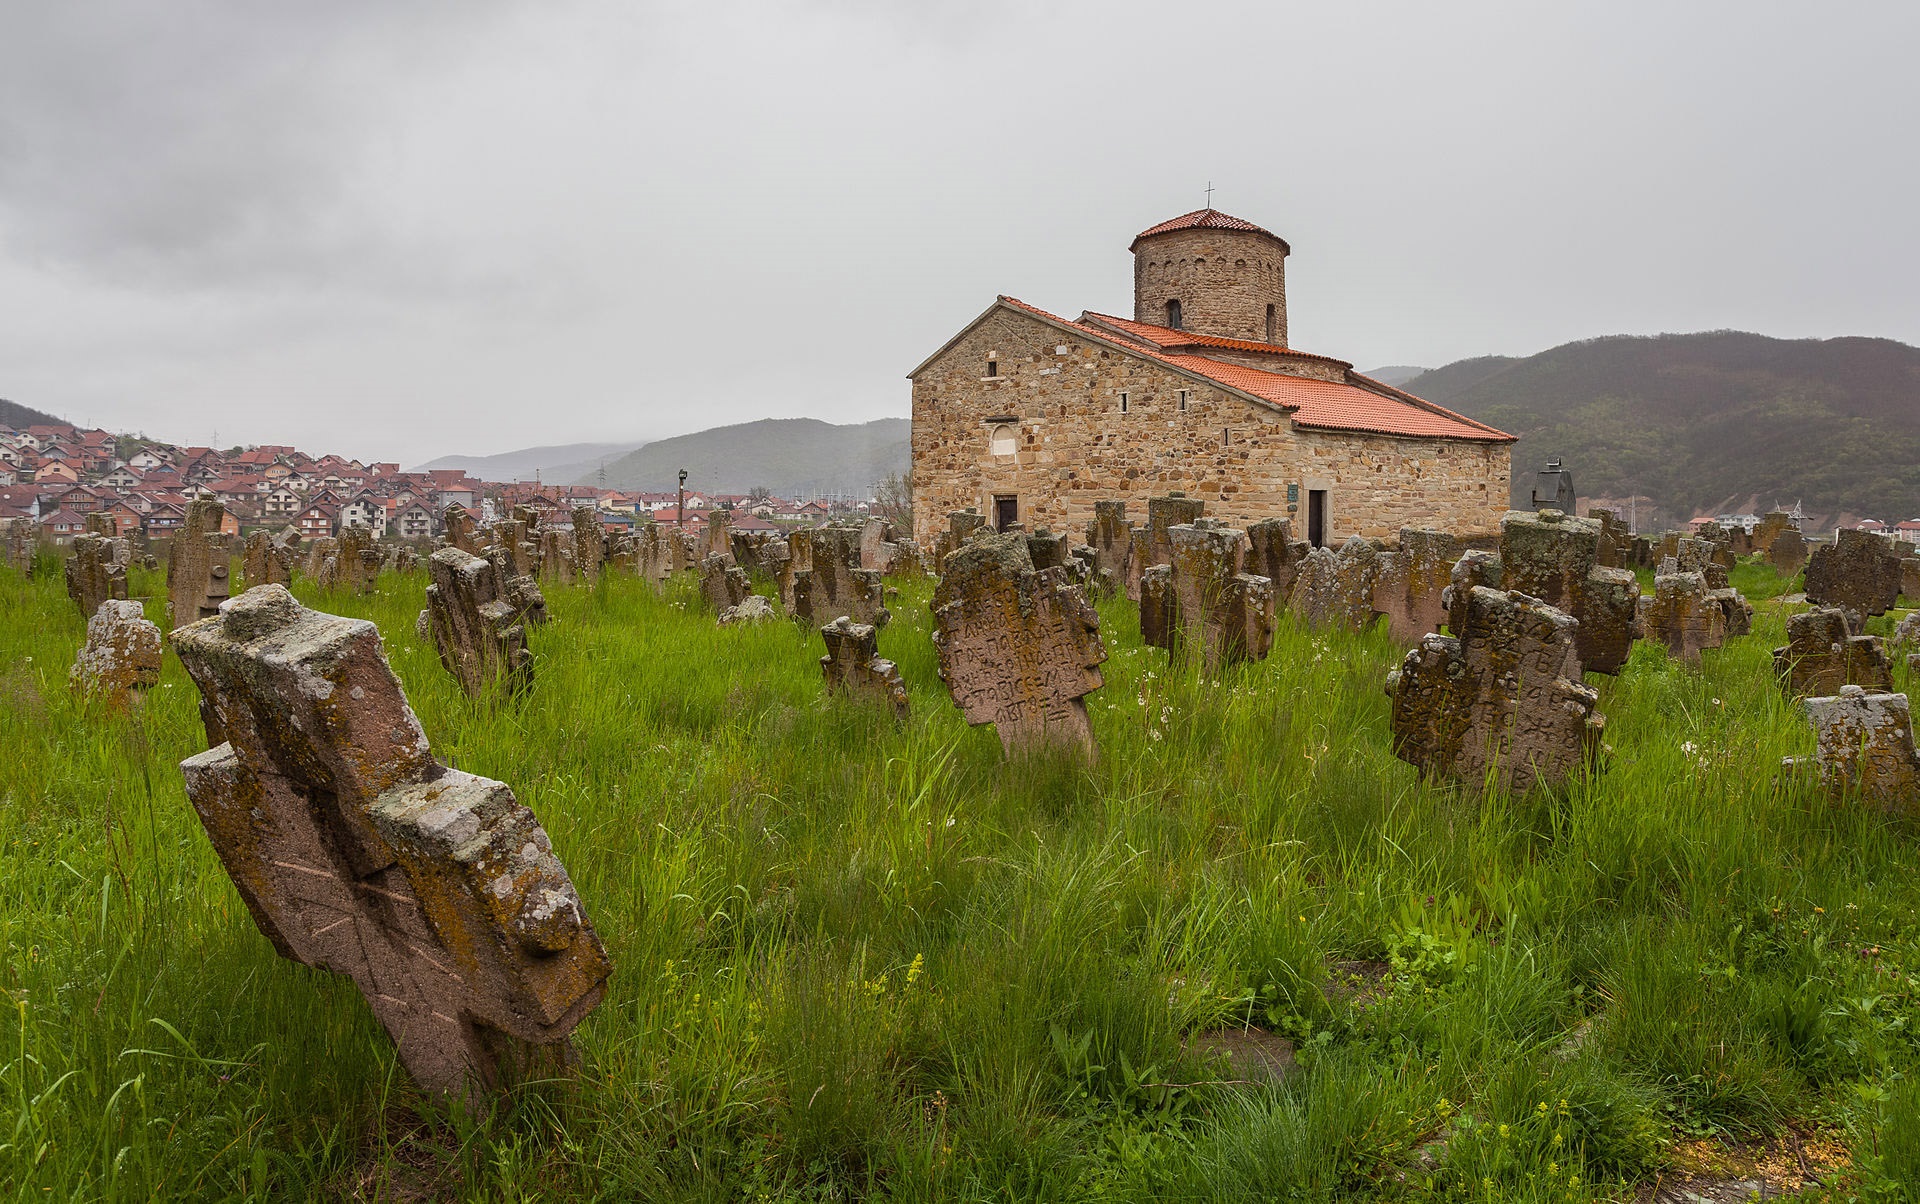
pixel 961 524
pixel 1273 553
pixel 1411 586
pixel 94 574
pixel 1865 747
pixel 836 584
pixel 1684 616
pixel 199 566
pixel 1110 536
pixel 477 617
pixel 723 584
pixel 1555 557
pixel 1860 570
pixel 1500 700
pixel 853 665
pixel 1202 603
pixel 121 655
pixel 459 530
pixel 878 551
pixel 356 562
pixel 1019 649
pixel 263 562
pixel 1163 515
pixel 1335 589
pixel 356 852
pixel 1822 654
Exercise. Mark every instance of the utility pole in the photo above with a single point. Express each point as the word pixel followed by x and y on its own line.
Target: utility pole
pixel 680 505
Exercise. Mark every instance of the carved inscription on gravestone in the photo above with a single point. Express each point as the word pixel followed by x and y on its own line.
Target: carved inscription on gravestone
pixel 434 890
pixel 1018 648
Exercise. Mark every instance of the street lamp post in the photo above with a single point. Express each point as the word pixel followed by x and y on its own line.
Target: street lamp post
pixel 680 504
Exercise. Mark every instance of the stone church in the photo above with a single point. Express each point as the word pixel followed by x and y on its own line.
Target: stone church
pixel 1032 418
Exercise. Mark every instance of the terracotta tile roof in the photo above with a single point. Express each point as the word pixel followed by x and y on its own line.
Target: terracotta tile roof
pixel 1206 219
pixel 1366 406
pixel 1166 338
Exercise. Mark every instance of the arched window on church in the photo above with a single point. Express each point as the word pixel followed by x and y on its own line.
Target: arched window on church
pixel 1173 315
pixel 1001 442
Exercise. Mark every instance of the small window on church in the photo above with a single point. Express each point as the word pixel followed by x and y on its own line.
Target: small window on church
pixel 1183 401
pixel 993 366
pixel 1123 403
pixel 1001 443
pixel 1173 315
pixel 1272 323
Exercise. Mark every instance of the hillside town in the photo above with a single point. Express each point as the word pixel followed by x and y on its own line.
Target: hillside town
pixel 57 475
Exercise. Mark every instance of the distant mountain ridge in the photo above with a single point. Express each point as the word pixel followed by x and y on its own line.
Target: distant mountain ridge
pixel 560 463
pixel 20 417
pixel 791 456
pixel 1708 422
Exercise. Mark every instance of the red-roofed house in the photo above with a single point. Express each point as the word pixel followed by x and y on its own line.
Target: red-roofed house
pixel 1032 418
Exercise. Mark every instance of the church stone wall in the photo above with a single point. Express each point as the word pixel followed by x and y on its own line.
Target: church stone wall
pixel 1072 446
pixel 1224 280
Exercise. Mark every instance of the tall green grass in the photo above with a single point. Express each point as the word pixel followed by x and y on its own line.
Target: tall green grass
pixel 861 959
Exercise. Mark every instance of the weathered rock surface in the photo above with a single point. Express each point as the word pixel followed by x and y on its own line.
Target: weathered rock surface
pixel 16 543
pixel 1019 649
pixel 122 653
pixel 853 665
pixel 477 618
pixel 1822 654
pixel 825 579
pixel 1411 586
pixel 1865 747
pixel 1163 515
pixel 723 584
pixel 1111 536
pixel 95 573
pixel 752 609
pixel 1202 603
pixel 1555 557
pixel 961 524
pixel 589 545
pixel 1500 701
pixel 434 890
pixel 1335 589
pixel 1860 571
pixel 1683 616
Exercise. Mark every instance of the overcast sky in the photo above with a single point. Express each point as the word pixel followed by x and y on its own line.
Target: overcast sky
pixel 403 229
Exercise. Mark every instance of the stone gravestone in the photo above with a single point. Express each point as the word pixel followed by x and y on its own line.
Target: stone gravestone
pixel 1019 649
pixel 199 566
pixel 16 543
pixel 1554 557
pixel 1111 538
pixel 853 665
pixel 121 655
pixel 1864 747
pixel 1615 549
pixel 1822 654
pixel 356 561
pixel 1273 553
pixel 459 530
pixel 878 551
pixel 1683 616
pixel 93 576
pixel 555 556
pixel 1772 523
pixel 1202 603
pixel 1335 589
pixel 589 544
pixel 1787 552
pixel 1702 556
pixel 837 585
pixel 961 524
pixel 477 619
pixel 1500 700
pixel 1412 583
pixel 715 537
pixel 1859 571
pixel 355 851
pixel 319 552
pixel 513 539
pixel 1047 550
pixel 264 561
pixel 795 576
pixel 723 583
pixel 1163 515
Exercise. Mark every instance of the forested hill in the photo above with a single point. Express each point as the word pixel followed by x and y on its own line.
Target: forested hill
pixel 19 417
pixel 793 457
pixel 1708 422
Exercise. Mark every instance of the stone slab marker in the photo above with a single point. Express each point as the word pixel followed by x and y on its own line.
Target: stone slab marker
pixel 1273 553
pixel 589 544
pixel 555 555
pixel 16 543
pixel 1864 746
pixel 723 583
pixel 961 524
pixel 1683 616
pixel 1859 571
pixel 1163 515
pixel 1335 589
pixel 1500 699
pixel 838 585
pixel 513 538
pixel 1822 654
pixel 1047 550
pixel 877 547
pixel 795 576
pixel 1019 649
pixel 1771 524
pixel 434 890
pixel 265 562
pixel 318 553
pixel 1202 603
pixel 1110 536
pixel 121 655
pixel 1412 583
pixel 459 529
pixel 1554 557
pixel 853 665
pixel 94 575
pixel 1615 549
pixel 199 566
pixel 478 619
pixel 356 561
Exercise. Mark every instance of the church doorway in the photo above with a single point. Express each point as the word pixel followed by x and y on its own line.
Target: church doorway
pixel 1317 517
pixel 1006 511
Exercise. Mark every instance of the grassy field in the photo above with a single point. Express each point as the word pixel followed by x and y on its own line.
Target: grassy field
pixel 858 959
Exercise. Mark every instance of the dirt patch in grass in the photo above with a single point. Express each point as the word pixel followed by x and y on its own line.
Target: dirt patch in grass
pixel 1799 1162
pixel 1254 1056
